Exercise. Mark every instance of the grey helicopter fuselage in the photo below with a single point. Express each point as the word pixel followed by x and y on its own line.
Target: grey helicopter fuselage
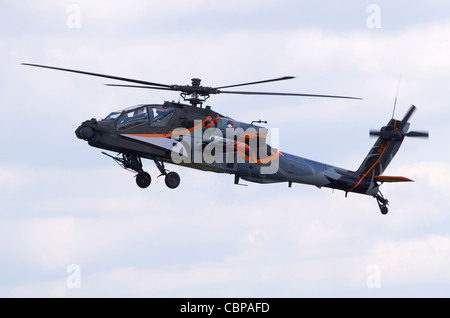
pixel 159 131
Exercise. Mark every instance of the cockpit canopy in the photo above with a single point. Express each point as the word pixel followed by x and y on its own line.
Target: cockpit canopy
pixel 156 115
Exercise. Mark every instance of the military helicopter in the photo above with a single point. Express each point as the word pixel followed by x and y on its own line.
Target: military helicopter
pixel 198 137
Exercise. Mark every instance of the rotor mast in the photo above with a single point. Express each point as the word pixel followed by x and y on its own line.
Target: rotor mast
pixel 198 94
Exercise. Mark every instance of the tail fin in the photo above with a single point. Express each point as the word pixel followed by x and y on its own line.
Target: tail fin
pixel 390 138
pixel 382 152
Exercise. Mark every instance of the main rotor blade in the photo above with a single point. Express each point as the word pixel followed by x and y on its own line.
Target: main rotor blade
pixel 258 82
pixel 138 86
pixel 285 94
pixel 100 75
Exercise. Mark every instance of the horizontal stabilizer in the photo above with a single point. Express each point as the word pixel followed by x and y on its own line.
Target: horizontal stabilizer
pixel 392 179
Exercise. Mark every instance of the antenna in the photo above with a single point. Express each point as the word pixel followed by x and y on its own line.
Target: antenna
pixel 395 102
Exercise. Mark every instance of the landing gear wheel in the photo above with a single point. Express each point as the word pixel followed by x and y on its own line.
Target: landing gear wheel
pixel 382 203
pixel 172 180
pixel 143 179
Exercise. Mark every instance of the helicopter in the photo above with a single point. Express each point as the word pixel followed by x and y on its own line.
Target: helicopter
pixel 198 137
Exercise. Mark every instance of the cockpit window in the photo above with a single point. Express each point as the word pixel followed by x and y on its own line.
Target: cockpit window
pixel 160 116
pixel 113 115
pixel 132 118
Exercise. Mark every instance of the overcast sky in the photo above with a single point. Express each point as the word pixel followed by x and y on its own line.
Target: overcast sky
pixel 74 224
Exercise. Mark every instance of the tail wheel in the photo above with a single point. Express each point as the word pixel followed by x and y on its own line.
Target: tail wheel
pixel 172 180
pixel 143 179
pixel 382 203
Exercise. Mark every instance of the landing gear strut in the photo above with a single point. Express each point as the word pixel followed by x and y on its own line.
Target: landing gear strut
pixel 382 203
pixel 143 179
pixel 172 179
pixel 133 163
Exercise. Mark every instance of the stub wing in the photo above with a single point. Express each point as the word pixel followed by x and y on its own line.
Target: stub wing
pixel 392 179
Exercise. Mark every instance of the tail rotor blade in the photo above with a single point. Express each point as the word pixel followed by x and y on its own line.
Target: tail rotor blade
pixel 408 115
pixel 422 134
pixel 374 133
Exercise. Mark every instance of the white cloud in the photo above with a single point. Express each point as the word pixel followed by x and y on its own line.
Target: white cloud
pixel 414 261
pixel 435 173
pixel 48 289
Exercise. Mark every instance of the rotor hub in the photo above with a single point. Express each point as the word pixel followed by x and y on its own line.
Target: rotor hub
pixel 196 82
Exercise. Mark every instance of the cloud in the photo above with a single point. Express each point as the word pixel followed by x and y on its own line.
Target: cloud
pixel 433 172
pixel 297 244
pixel 414 261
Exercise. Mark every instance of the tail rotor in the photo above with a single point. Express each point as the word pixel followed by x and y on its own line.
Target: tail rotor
pixel 398 130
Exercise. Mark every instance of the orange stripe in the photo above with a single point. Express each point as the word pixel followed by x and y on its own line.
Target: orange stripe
pixel 253 159
pixel 274 155
pixel 371 168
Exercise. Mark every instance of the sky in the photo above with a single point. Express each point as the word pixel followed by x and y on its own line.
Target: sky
pixel 74 224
